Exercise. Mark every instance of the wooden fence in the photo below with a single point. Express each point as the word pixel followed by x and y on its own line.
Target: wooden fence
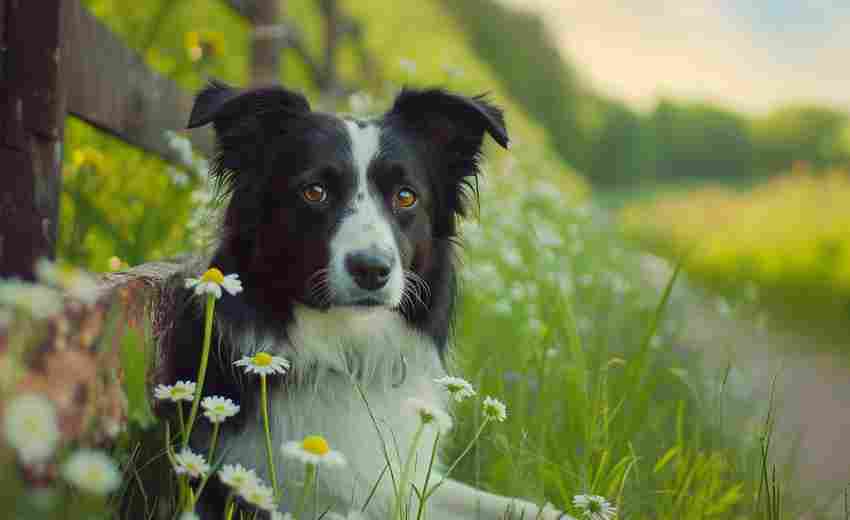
pixel 57 59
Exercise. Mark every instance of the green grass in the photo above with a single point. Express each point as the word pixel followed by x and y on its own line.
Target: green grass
pixel 553 317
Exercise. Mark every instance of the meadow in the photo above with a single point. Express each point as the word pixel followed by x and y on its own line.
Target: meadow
pixel 780 244
pixel 556 319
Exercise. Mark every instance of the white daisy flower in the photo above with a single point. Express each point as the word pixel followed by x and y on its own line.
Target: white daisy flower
pixel 38 301
pixel 494 409
pixel 218 409
pixel 75 282
pixel 594 507
pixel 457 387
pixel 179 391
pixel 430 414
pixel 259 495
pixel 264 364
pixel 190 463
pixel 31 427
pixel 314 449
pixel 237 477
pixel 213 281
pixel 92 471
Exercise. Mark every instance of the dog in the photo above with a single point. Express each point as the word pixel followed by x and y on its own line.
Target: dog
pixel 344 233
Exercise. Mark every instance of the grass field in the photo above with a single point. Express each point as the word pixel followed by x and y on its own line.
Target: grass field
pixel 783 242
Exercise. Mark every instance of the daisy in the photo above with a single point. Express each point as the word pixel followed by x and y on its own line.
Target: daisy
pixel 179 391
pixel 259 495
pixel 457 387
pixel 75 282
pixel 238 477
pixel 264 364
pixel 218 409
pixel 313 450
pixel 190 463
pixel 213 281
pixel 31 427
pixel 494 409
pixel 92 471
pixel 430 414
pixel 38 301
pixel 594 507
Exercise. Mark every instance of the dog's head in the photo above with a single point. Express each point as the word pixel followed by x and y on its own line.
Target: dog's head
pixel 330 211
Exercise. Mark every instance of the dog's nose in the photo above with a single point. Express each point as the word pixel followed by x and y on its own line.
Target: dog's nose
pixel 370 270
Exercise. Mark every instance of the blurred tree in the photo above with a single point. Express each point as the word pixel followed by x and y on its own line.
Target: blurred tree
pixel 817 136
pixel 700 140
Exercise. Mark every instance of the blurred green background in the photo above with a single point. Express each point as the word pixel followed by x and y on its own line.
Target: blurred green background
pixel 560 305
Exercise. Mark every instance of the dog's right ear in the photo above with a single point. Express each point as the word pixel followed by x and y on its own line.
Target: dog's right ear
pixel 241 118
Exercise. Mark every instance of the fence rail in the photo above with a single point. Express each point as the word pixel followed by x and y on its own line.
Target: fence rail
pixel 57 59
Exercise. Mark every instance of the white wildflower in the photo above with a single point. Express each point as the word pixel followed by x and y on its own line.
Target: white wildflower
pixel 213 281
pixel 190 463
pixel 314 450
pixel 237 477
pixel 180 391
pixel 263 363
pixel 92 471
pixel 594 507
pixel 38 301
pixel 259 495
pixel 430 414
pixel 218 409
pixel 457 387
pixel 494 409
pixel 31 427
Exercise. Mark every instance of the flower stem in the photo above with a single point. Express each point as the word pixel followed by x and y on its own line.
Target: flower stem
pixel 424 497
pixel 429 492
pixel 264 403
pixel 404 478
pixel 202 369
pixel 309 477
pixel 229 507
pixel 181 418
pixel 211 454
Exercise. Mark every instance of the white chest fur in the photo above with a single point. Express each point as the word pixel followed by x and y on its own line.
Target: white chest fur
pixel 331 353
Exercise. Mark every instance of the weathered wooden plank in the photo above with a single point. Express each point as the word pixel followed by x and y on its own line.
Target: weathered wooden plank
pixel 32 103
pixel 267 40
pixel 110 87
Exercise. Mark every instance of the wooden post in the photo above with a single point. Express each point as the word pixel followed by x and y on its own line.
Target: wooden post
pixel 32 115
pixel 329 83
pixel 268 37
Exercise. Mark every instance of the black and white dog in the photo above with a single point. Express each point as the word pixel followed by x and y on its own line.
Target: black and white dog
pixel 344 234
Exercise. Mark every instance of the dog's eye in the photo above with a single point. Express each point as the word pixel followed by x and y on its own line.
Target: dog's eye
pixel 315 193
pixel 405 198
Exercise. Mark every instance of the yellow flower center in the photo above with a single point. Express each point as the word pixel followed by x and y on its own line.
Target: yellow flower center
pixel 316 444
pixel 262 359
pixel 213 275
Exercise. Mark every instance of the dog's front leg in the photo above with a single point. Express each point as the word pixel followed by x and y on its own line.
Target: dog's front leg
pixel 456 501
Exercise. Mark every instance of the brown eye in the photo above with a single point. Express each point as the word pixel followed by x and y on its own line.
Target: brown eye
pixel 405 198
pixel 315 193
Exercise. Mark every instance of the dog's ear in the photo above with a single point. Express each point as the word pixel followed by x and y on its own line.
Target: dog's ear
pixel 453 127
pixel 451 121
pixel 241 118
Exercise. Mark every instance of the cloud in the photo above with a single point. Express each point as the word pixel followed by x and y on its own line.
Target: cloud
pixel 750 59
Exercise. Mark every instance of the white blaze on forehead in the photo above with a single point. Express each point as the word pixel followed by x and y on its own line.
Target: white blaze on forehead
pixel 366 226
pixel 365 144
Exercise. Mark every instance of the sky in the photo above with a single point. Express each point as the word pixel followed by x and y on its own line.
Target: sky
pixel 746 54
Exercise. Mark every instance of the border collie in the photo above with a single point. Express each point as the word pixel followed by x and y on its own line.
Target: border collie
pixel 344 233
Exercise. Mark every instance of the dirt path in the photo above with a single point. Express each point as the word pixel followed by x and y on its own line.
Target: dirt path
pixel 812 390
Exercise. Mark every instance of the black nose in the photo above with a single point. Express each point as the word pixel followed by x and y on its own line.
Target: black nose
pixel 371 270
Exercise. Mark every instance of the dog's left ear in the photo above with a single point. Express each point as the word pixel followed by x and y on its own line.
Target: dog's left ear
pixel 455 124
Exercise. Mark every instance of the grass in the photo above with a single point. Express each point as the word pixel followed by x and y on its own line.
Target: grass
pixel 784 241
